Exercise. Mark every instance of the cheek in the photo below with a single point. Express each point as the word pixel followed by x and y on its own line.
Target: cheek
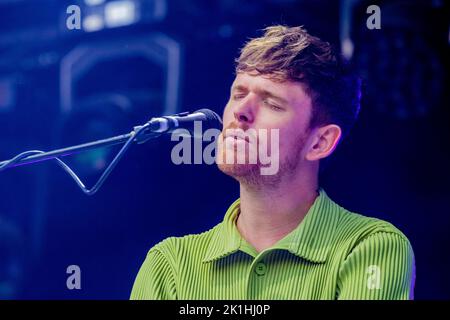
pixel 285 144
pixel 228 116
pixel 292 137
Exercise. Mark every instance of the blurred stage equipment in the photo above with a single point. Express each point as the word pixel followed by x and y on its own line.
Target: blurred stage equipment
pixel 157 56
pixel 65 86
pixel 111 82
pixel 99 116
pixel 7 95
pixel 401 62
pixel 101 14
pixel 146 73
pixel 12 252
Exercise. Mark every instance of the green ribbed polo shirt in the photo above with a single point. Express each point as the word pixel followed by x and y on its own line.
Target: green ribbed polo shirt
pixel 332 254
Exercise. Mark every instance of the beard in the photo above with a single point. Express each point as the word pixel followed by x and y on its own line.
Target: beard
pixel 250 173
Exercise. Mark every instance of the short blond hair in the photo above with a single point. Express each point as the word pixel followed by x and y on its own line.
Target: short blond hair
pixel 292 54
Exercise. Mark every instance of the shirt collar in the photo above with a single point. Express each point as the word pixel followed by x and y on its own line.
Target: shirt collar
pixel 311 239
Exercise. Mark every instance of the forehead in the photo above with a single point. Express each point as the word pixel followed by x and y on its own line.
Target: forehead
pixel 291 91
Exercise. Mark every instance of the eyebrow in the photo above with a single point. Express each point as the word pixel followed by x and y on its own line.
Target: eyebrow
pixel 261 92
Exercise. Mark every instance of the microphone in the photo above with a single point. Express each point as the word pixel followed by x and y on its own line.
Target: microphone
pixel 152 129
pixel 167 124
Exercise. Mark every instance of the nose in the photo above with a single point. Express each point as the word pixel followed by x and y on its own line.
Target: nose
pixel 244 113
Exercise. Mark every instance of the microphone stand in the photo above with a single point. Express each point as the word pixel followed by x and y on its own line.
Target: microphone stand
pixel 140 134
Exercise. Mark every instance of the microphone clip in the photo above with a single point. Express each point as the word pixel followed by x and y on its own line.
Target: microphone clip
pixel 144 133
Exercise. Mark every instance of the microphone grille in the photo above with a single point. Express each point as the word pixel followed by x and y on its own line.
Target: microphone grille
pixel 213 119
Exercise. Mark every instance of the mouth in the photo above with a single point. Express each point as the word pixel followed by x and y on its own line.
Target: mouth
pixel 237 138
pixel 237 135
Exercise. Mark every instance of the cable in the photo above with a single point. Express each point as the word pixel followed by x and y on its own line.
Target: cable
pixel 66 168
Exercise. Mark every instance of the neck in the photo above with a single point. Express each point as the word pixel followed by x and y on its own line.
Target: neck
pixel 268 214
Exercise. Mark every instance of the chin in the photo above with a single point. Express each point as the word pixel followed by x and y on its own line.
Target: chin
pixel 238 170
pixel 250 175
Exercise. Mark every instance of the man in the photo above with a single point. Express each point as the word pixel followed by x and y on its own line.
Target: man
pixel 284 238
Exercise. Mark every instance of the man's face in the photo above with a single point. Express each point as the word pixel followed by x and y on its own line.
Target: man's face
pixel 256 103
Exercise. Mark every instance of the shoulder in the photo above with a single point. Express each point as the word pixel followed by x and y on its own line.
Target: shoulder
pixel 359 225
pixel 373 254
pixel 356 230
pixel 189 245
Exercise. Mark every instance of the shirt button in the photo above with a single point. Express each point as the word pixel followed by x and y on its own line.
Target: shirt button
pixel 260 269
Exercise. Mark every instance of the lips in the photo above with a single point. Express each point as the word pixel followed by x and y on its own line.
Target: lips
pixel 239 138
pixel 237 134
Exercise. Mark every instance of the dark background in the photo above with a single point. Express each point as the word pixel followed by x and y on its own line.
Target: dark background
pixel 394 165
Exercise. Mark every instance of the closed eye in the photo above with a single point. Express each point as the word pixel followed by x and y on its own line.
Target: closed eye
pixel 273 106
pixel 238 96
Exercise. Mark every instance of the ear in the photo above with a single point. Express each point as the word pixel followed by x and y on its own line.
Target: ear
pixel 323 142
